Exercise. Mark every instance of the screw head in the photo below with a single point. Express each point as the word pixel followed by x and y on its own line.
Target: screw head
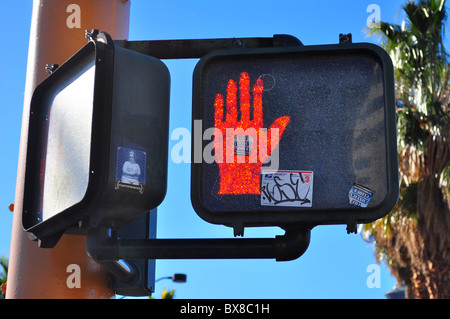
pixel 237 43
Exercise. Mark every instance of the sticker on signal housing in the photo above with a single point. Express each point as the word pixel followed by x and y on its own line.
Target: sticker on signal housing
pixel 130 169
pixel 286 188
pixel 359 195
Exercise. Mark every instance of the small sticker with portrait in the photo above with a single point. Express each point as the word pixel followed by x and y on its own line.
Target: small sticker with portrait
pixel 130 169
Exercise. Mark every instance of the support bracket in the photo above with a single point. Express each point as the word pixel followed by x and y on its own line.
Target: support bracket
pixel 197 48
pixel 106 249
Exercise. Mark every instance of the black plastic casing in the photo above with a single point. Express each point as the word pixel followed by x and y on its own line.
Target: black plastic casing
pixel 341 103
pixel 130 113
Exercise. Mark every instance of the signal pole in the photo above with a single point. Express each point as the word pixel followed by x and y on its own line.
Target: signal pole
pixel 57 32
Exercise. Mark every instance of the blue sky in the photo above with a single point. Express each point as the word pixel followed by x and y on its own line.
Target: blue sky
pixel 335 264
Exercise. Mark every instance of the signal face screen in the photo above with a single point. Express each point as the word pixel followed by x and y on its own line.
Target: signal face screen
pixel 320 117
pixel 66 173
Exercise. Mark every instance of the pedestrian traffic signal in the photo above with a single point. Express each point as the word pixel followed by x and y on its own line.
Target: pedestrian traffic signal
pixel 98 141
pixel 294 135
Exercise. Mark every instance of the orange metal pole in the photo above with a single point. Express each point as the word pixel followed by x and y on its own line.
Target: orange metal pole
pixel 57 32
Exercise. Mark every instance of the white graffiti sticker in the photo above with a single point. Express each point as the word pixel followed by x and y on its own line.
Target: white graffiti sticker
pixel 286 188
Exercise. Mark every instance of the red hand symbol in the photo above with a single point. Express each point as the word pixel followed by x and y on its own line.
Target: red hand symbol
pixel 240 174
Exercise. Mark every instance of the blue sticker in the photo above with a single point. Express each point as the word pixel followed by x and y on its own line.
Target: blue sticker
pixel 130 169
pixel 360 195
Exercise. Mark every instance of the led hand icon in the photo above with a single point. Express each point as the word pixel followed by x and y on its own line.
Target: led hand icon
pixel 240 173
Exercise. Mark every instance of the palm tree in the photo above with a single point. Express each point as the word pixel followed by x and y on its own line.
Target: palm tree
pixel 166 294
pixel 3 275
pixel 414 239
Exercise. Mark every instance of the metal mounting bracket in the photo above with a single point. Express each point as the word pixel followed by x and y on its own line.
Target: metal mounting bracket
pixel 345 38
pixel 106 249
pixel 197 48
